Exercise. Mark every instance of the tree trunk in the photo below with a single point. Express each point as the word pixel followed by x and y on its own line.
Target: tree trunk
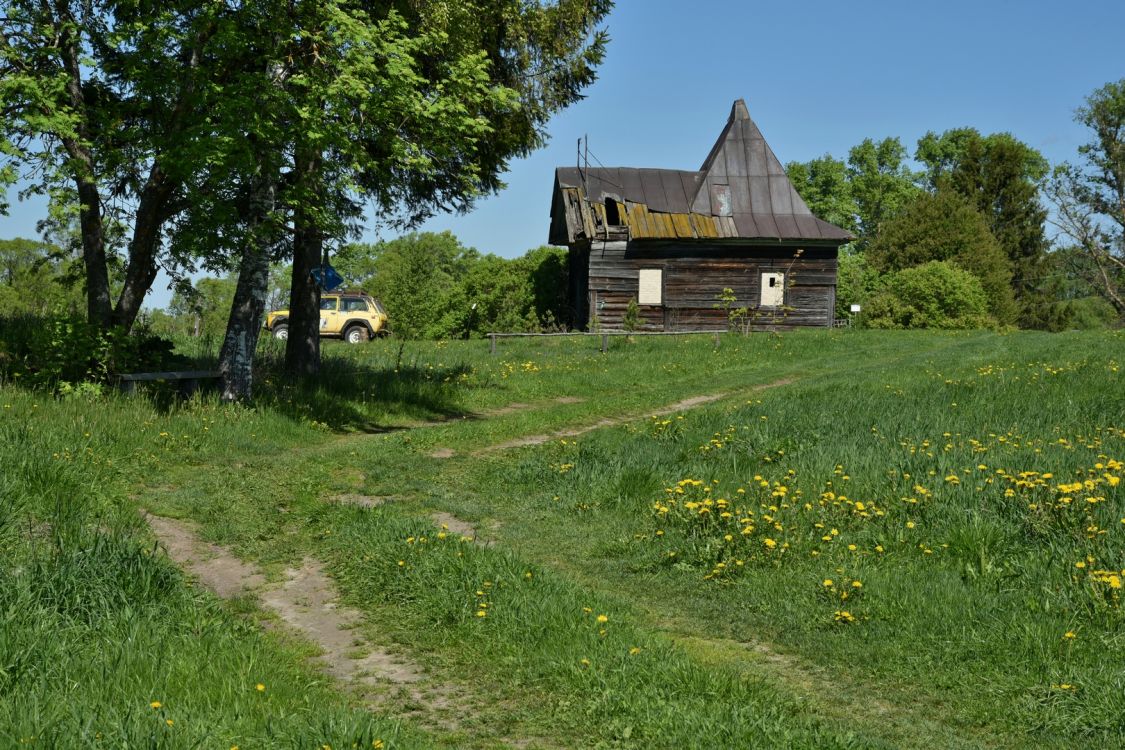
pixel 98 307
pixel 152 212
pixel 236 357
pixel 302 350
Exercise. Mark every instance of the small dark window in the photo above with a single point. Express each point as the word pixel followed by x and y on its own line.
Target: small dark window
pixel 773 281
pixel 612 214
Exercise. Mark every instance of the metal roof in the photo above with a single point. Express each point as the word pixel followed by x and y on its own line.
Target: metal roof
pixel 740 192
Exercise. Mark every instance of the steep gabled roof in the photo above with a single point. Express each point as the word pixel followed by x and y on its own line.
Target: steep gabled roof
pixel 740 192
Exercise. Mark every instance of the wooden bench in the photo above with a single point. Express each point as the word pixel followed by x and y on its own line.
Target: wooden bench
pixel 189 380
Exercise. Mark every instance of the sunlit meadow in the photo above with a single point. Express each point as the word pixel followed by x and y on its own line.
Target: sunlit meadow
pixel 908 540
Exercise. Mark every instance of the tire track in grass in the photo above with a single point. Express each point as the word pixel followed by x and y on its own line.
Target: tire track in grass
pixel 686 404
pixel 307 602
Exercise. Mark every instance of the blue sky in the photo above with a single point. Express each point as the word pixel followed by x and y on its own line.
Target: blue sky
pixel 818 78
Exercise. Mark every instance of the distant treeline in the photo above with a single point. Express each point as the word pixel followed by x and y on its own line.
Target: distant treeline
pixel 963 241
pixel 431 285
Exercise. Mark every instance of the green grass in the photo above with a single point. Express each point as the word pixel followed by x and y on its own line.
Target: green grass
pixel 957 636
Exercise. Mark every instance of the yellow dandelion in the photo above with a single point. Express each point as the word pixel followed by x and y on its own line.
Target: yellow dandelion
pixel 260 688
pixel 603 618
pixel 156 704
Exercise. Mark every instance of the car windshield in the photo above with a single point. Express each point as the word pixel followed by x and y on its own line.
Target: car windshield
pixel 328 303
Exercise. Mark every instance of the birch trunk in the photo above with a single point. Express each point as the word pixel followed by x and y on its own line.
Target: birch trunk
pixel 236 358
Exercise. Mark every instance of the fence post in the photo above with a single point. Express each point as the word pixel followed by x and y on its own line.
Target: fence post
pixel 492 338
pixel 605 342
pixel 717 340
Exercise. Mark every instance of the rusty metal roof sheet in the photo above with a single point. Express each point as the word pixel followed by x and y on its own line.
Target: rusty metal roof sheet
pixel 741 191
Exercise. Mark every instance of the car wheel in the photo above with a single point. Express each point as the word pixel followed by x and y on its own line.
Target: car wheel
pixel 355 335
pixel 281 331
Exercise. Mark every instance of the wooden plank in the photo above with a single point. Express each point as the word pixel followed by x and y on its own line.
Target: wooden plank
pixel 637 221
pixel 682 224
pixel 174 375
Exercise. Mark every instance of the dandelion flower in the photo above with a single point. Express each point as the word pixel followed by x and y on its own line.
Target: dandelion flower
pixel 156 704
pixel 603 618
pixel 260 688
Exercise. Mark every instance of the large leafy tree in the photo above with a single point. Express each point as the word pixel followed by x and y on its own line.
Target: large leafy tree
pixel 1000 175
pixel 860 194
pixel 101 102
pixel 489 75
pixel 1089 198
pixel 881 182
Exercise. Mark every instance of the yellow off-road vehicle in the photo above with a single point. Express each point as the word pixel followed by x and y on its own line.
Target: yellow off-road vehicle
pixel 352 316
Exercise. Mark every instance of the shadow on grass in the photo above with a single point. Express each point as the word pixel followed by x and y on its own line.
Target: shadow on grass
pixel 353 396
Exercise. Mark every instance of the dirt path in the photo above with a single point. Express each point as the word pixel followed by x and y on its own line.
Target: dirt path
pixel 683 405
pixel 308 603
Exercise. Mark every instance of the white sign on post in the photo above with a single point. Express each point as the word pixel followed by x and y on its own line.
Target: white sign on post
pixel 855 308
pixel 649 286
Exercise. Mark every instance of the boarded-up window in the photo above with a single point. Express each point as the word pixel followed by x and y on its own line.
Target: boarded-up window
pixel 720 200
pixel 773 289
pixel 649 287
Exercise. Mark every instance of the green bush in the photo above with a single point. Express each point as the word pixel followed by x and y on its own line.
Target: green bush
pixel 933 295
pixel 1082 314
pixel 61 351
pixel 946 227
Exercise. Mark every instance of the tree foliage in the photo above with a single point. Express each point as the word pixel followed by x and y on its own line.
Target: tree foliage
pixel 1000 176
pixel 856 282
pixel 102 101
pixel 37 279
pixel 945 227
pixel 1089 198
pixel 478 84
pixel 881 183
pixel 434 287
pixel 824 185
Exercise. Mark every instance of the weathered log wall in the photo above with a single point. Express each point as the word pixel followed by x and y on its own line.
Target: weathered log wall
pixel 695 275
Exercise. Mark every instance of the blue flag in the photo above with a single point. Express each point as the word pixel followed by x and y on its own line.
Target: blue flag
pixel 326 277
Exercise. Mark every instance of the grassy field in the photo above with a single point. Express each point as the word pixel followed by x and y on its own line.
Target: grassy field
pixel 866 540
